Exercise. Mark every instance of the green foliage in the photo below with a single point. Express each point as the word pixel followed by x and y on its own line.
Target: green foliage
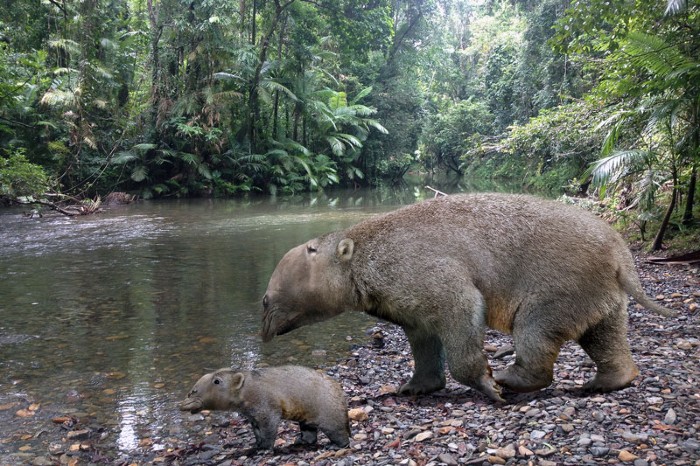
pixel 652 75
pixel 175 98
pixel 547 153
pixel 452 133
pixel 21 178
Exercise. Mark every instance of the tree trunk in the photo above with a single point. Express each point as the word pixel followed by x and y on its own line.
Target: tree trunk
pixel 156 32
pixel 253 98
pixel 658 240
pixel 275 107
pixel 690 200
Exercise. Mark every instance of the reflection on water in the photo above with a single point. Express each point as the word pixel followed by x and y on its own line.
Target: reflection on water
pixel 112 317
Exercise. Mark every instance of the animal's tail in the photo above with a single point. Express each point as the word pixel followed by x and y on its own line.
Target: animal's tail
pixel 630 283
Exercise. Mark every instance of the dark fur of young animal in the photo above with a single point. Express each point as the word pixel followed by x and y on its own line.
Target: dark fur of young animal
pixel 266 396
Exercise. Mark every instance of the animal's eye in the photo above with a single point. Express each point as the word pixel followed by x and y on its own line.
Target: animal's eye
pixel 310 249
pixel 217 381
pixel 266 301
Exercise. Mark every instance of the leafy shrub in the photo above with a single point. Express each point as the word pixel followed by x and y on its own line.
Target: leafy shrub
pixel 20 178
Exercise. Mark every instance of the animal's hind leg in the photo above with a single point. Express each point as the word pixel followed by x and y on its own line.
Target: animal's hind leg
pixel 606 343
pixel 307 433
pixel 535 353
pixel 537 338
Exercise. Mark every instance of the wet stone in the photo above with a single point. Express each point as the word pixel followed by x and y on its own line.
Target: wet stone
pixel 690 445
pixel 447 459
pixel 670 417
pixel 634 438
pixel 81 434
pixel 599 451
pixel 568 428
pixel 42 461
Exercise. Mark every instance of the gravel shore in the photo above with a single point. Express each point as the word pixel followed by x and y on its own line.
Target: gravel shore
pixel 656 421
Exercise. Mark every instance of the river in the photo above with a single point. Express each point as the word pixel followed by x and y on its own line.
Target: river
pixel 110 318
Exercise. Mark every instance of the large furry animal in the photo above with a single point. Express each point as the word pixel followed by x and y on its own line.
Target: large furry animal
pixel 447 268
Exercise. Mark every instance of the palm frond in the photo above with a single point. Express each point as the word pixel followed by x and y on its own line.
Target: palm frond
pixel 228 76
pixel 59 98
pixel 145 146
pixel 646 189
pixel 66 45
pixel 272 85
pixel 290 145
pixel 655 54
pixel 124 157
pixel 361 95
pixel 676 6
pixel 608 168
pixel 337 146
pixel 362 110
pixel 376 125
pixel 139 173
pixel 227 95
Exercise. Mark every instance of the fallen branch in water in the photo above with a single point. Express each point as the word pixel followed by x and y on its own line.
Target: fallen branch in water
pixel 85 207
pixel 437 193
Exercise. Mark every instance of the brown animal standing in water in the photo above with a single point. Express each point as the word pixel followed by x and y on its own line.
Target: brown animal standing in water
pixel 266 396
pixel 447 268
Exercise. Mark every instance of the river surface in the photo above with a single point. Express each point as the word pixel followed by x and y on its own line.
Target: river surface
pixel 113 316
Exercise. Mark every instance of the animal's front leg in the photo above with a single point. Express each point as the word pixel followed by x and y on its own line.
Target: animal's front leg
pixel 265 430
pixel 429 357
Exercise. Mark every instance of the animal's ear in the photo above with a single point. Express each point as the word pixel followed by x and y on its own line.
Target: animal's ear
pixel 237 381
pixel 345 249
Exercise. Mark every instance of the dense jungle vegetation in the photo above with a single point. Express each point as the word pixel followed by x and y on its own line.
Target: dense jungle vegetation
pixel 216 98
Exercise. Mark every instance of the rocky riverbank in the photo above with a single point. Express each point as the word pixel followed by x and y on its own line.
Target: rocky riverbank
pixel 656 421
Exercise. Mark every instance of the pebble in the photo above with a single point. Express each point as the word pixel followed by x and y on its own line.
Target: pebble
pixel 568 428
pixel 423 436
pixel 670 417
pixel 506 452
pixel 447 459
pixel 626 456
pixel 358 414
pixel 691 445
pixel 634 438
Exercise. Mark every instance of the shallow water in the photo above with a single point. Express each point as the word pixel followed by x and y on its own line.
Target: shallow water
pixel 113 316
